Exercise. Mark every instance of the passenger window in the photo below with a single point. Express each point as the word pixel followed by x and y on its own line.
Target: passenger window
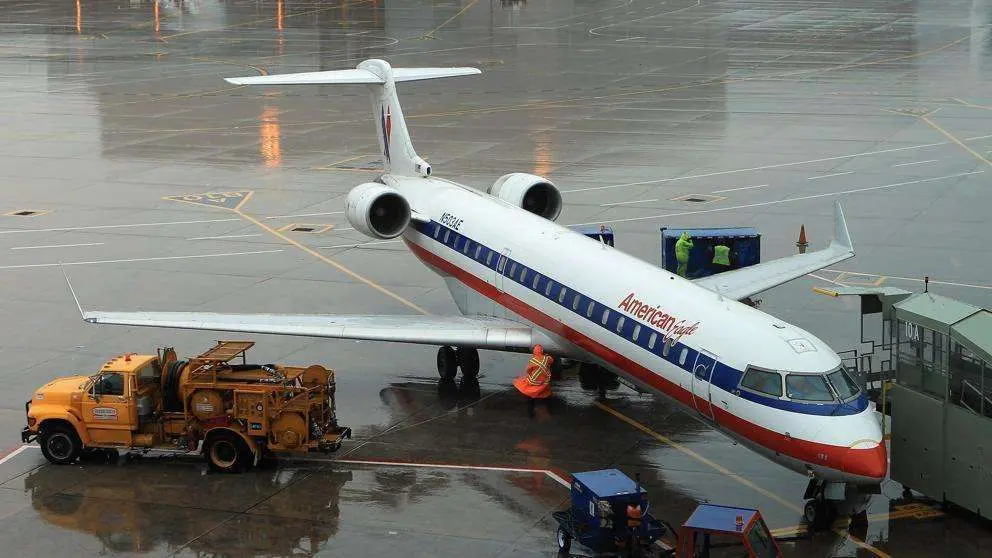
pixel 537 279
pixel 590 308
pixel 478 249
pixel 685 353
pixel 437 229
pixel 447 233
pixel 807 387
pixel 620 321
pixel 763 381
pixel 489 258
pixel 636 334
pixel 458 238
pixel 667 348
pixel 606 316
pixel 109 384
pixel 561 295
pixel 513 269
pixel 652 340
pixel 576 298
pixel 547 288
pixel 468 244
pixel 523 273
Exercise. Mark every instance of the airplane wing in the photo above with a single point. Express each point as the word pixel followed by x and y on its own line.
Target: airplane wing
pixel 748 281
pixel 458 331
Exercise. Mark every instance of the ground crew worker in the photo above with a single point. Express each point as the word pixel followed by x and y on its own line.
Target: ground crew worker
pixel 634 516
pixel 682 247
pixel 536 380
pixel 721 258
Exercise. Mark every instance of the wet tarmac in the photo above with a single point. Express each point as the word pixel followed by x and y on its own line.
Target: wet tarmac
pixel 115 116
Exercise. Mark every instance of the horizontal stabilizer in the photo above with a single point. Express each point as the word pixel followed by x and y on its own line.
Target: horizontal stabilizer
pixel 357 76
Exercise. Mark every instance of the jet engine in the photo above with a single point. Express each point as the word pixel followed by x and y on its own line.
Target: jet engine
pixel 377 210
pixel 527 191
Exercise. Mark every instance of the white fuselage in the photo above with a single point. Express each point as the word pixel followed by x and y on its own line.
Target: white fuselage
pixel 613 309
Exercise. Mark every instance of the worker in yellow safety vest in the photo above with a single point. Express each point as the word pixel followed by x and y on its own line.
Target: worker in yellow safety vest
pixel 721 258
pixel 536 380
pixel 682 247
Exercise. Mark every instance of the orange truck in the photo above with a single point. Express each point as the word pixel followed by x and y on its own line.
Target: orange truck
pixel 234 413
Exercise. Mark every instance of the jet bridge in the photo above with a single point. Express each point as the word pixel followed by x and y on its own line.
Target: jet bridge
pixel 934 363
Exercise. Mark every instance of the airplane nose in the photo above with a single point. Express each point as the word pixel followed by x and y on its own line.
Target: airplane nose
pixel 867 462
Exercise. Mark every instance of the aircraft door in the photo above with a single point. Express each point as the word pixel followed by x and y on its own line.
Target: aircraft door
pixel 702 375
pixel 499 280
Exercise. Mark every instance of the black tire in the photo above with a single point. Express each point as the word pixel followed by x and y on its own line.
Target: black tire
pixel 226 452
pixel 564 541
pixel 557 367
pixel 447 363
pixel 589 376
pixel 171 400
pixel 60 444
pixel 468 361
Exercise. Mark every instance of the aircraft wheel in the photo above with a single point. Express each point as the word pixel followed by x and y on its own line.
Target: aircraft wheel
pixel 468 361
pixel 819 514
pixel 564 542
pixel 556 368
pixel 447 363
pixel 589 376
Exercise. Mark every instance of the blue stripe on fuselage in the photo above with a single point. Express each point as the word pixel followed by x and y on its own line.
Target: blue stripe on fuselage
pixel 681 355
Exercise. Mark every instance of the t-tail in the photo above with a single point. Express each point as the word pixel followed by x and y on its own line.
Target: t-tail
pixel 398 155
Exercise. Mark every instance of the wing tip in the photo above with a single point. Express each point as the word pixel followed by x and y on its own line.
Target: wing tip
pixel 842 235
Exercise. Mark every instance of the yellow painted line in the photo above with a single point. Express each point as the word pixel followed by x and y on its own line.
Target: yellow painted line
pixel 955 139
pixel 328 261
pixel 822 291
pixel 430 34
pixel 730 474
pixel 37 212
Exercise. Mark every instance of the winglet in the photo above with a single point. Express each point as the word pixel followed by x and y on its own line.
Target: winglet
pixel 73 293
pixel 841 235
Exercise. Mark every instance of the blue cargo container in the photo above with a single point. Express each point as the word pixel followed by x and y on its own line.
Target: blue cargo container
pixel 601 233
pixel 744 244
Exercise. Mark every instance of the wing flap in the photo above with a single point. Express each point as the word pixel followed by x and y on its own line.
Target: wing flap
pixel 751 280
pixel 479 332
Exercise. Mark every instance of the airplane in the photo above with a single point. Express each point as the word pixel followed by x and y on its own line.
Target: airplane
pixel 518 279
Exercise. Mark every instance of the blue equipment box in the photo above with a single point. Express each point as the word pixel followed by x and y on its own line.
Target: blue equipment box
pixel 744 244
pixel 601 497
pixel 600 233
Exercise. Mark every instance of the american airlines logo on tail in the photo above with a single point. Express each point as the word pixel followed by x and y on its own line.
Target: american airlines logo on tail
pixel 387 127
pixel 655 316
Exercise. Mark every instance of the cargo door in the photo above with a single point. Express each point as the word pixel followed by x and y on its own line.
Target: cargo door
pixel 109 408
pixel 702 375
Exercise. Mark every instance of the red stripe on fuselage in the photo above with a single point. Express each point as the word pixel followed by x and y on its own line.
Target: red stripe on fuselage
pixel 859 462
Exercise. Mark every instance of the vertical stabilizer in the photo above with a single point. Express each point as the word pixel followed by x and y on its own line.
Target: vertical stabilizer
pixel 398 155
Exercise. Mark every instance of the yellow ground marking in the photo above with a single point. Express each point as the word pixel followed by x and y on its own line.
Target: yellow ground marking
pixel 970 104
pixel 430 34
pixel 903 511
pixel 314 12
pixel 36 212
pixel 317 228
pixel 955 139
pixel 255 221
pixel 261 71
pixel 730 474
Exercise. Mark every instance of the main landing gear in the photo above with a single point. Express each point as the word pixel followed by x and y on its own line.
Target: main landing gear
pixel 820 510
pixel 450 359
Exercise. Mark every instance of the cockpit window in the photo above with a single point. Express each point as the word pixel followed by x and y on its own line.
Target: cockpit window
pixel 763 381
pixel 843 384
pixel 807 387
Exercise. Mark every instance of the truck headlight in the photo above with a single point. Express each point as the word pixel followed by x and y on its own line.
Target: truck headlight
pixel 32 421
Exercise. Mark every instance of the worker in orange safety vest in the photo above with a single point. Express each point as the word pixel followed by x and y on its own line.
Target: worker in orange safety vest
pixel 536 380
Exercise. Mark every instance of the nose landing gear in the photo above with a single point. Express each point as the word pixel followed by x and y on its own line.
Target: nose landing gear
pixel 820 510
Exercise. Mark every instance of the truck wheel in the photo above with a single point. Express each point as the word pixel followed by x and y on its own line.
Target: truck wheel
pixel 564 542
pixel 60 444
pixel 227 453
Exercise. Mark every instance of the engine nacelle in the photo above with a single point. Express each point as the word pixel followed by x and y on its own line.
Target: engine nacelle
pixel 531 192
pixel 377 210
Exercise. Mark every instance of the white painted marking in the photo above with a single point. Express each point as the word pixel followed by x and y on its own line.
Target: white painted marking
pixel 915 163
pixel 57 246
pixel 15 453
pixel 628 39
pixel 828 175
pixel 121 226
pixel 156 259
pixel 776 202
pixel 741 188
pixel 913 279
pixel 224 236
pixel 359 244
pixel 305 215
pixel 774 166
pixel 551 474
pixel 626 202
